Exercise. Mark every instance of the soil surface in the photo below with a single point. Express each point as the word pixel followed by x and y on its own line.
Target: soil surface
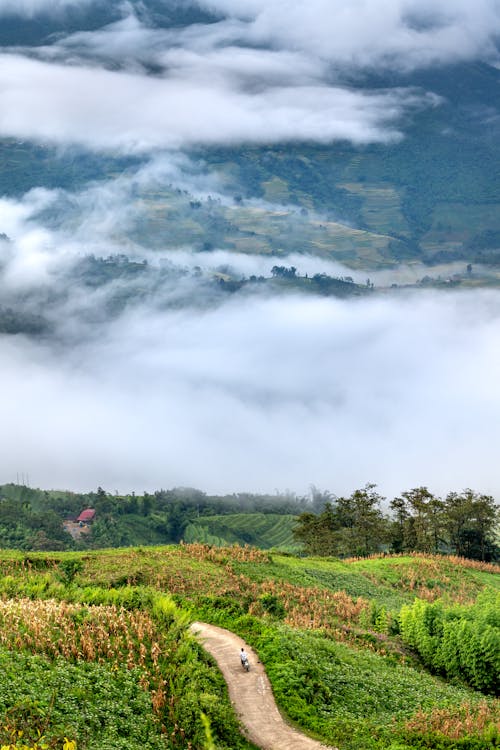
pixel 250 692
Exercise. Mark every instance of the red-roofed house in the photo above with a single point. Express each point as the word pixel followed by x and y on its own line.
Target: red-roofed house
pixel 86 516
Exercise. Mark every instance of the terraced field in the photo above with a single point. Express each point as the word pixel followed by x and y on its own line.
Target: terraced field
pixel 264 530
pixel 170 220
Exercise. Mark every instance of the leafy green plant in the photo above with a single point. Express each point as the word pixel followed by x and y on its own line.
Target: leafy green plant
pixel 461 642
pixel 272 604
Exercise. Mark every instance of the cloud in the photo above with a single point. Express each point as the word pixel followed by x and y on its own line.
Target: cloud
pixel 350 36
pixel 122 111
pixel 264 393
pixel 250 392
pixel 246 392
pixel 198 50
pixel 31 8
pixel 399 34
pixel 246 78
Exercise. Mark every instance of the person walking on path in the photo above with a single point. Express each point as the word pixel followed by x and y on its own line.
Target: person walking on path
pixel 244 659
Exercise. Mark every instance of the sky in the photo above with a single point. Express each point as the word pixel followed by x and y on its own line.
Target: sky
pixel 253 392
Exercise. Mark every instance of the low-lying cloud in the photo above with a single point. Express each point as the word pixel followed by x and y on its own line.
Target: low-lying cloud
pixel 124 111
pixel 240 392
pixel 250 391
pixel 398 34
pixel 265 72
pixel 262 394
pixel 32 8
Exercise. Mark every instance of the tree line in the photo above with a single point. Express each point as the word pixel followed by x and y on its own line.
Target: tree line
pixel 463 523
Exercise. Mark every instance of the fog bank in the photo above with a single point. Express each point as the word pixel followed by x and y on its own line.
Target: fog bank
pixel 263 394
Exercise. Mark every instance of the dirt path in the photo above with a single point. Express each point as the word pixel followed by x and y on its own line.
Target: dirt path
pixel 250 692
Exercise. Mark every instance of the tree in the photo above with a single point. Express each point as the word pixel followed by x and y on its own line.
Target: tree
pixel 471 520
pixel 317 532
pixel 147 504
pixel 105 503
pixel 425 525
pixel 458 512
pixel 399 525
pixel 362 521
pixel 351 525
pixel 284 272
pixel 485 518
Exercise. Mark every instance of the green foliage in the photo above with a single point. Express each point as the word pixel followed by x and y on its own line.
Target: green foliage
pixel 361 694
pixel 209 744
pixel 461 642
pixel 117 706
pixel 346 526
pixel 69 568
pixel 355 700
pixel 91 702
pixel 463 523
pixel 272 605
pixel 33 519
pixel 378 619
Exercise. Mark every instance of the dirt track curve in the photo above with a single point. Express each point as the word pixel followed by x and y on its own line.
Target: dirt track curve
pixel 250 692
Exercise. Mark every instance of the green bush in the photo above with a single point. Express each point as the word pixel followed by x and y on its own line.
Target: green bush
pixel 272 604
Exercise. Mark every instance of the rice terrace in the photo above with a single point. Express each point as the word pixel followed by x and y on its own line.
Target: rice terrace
pixel 389 651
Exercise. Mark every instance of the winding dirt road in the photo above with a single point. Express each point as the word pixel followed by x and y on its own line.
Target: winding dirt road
pixel 250 692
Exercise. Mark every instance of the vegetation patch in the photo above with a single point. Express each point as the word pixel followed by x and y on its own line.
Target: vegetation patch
pixel 335 637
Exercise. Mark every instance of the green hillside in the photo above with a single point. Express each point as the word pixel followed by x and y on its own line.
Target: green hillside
pixel 337 638
pixel 433 196
pixel 264 530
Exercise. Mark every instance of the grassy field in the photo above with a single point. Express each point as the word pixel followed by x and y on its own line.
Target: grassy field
pixel 328 632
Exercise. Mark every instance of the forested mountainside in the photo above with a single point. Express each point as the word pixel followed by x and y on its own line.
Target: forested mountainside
pixel 461 523
pixel 433 197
